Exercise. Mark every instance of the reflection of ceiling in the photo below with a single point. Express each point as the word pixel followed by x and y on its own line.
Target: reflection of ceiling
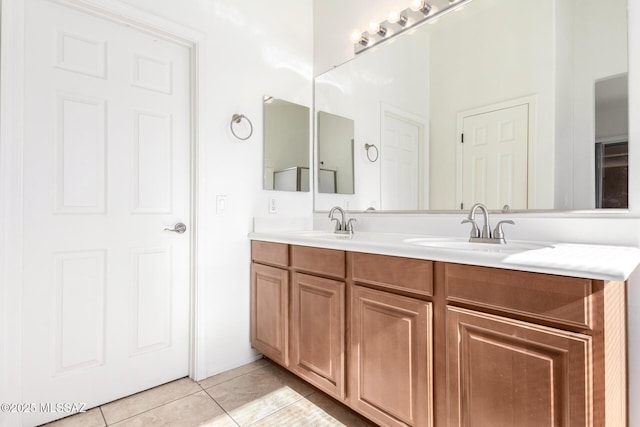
pixel 612 90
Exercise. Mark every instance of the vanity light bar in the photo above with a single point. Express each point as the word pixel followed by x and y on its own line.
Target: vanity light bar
pixel 398 22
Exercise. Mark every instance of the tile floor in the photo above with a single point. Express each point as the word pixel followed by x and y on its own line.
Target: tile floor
pixel 258 394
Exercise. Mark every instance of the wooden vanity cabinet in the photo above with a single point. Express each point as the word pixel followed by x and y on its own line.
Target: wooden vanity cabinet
pixel 409 342
pixel 270 300
pixel 317 324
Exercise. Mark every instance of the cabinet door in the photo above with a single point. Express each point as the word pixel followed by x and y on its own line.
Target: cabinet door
pixel 318 332
pixel 269 312
pixel 503 372
pixel 390 358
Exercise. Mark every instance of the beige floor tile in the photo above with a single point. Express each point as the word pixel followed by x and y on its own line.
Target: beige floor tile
pixel 304 413
pixel 337 411
pixel 91 418
pixel 194 410
pixel 259 393
pixel 146 400
pixel 233 373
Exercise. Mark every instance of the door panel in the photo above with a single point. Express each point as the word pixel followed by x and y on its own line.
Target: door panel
pixel 390 358
pixel 106 170
pixel 270 312
pixel 495 158
pixel 400 155
pixel 318 332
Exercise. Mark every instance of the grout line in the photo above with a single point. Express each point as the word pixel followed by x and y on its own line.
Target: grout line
pixel 302 397
pixel 221 407
pixel 239 375
pixel 102 414
pixel 235 378
pixel 156 407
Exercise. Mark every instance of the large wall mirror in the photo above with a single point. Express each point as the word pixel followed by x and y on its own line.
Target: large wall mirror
pixel 520 103
pixel 286 145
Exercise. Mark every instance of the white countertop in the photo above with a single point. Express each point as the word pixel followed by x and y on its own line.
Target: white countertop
pixel 577 260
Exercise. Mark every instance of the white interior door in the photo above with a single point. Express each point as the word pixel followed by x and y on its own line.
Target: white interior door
pixel 402 184
pixel 494 158
pixel 106 170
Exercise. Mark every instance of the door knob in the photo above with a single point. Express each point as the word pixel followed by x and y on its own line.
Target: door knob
pixel 178 228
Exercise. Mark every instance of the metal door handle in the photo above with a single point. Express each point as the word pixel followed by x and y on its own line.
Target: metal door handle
pixel 178 228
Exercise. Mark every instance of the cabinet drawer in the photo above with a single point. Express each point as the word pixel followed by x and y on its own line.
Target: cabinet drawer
pixel 556 299
pixel 329 262
pixel 404 274
pixel 270 253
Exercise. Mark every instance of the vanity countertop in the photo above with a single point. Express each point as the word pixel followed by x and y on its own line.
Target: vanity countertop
pixel 566 259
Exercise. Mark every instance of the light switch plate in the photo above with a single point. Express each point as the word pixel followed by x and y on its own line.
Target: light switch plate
pixel 221 204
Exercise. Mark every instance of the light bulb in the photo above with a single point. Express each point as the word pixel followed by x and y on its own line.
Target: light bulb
pixel 394 16
pixel 377 29
pixel 416 5
pixel 355 37
pixel 422 6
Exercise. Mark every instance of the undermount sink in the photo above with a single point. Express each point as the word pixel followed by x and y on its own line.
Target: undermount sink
pixel 325 235
pixel 460 244
pixel 435 242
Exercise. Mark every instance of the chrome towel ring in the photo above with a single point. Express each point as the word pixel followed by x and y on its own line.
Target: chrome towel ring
pixel 236 119
pixel 367 147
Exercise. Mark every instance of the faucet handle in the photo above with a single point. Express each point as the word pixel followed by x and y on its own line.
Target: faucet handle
pixel 498 233
pixel 475 231
pixel 350 225
pixel 338 225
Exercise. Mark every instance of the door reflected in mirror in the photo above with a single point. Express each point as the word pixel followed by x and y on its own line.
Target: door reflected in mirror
pixel 286 145
pixel 518 80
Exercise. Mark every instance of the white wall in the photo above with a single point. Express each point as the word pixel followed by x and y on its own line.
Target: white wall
pixel 250 52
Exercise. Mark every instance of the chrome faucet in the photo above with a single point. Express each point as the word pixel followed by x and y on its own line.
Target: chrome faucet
pixel 342 226
pixel 486 235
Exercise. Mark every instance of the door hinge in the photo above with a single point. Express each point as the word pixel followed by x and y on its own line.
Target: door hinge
pixel 462 138
pixel 461 205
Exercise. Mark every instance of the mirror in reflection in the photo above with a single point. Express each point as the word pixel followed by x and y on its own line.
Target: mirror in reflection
pixel 335 154
pixel 501 102
pixel 286 145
